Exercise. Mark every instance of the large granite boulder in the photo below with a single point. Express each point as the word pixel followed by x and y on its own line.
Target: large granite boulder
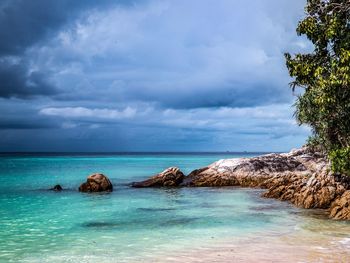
pixel 96 183
pixel 168 178
pixel 246 172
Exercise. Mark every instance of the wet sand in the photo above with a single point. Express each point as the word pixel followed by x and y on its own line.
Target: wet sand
pixel 296 247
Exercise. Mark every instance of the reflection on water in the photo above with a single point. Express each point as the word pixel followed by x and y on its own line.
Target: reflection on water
pixel 155 209
pixel 101 225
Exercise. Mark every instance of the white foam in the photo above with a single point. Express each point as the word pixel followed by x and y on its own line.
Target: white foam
pixel 345 241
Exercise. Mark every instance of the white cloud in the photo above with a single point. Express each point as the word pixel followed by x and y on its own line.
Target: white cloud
pixel 81 112
pixel 268 119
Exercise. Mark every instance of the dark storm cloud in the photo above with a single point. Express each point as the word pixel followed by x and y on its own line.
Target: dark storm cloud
pixel 226 94
pixel 171 54
pixel 18 114
pixel 153 75
pixel 16 81
pixel 25 23
pixel 23 124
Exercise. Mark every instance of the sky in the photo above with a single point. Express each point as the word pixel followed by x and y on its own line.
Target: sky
pixel 148 75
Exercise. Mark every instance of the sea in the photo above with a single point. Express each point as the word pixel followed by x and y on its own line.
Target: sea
pixel 209 224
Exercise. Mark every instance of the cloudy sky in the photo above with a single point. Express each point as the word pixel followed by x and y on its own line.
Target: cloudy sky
pixel 148 75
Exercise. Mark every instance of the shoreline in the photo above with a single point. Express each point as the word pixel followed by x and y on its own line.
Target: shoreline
pixel 286 247
pixel 302 177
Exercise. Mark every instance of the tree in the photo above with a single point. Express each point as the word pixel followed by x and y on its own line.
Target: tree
pixel 324 76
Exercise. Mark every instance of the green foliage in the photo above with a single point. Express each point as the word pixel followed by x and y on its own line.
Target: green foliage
pixel 315 143
pixel 324 74
pixel 340 160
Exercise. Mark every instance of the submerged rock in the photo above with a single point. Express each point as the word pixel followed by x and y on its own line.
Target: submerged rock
pixel 96 183
pixel 168 178
pixel 57 188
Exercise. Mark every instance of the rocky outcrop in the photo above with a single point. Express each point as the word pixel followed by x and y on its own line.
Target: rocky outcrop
pixel 249 172
pixel 318 190
pixel 96 183
pixel 168 178
pixel 302 177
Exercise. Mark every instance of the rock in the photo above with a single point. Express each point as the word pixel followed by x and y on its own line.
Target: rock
pixel 247 172
pixel 302 177
pixel 57 188
pixel 96 183
pixel 284 186
pixel 317 190
pixel 340 208
pixel 168 178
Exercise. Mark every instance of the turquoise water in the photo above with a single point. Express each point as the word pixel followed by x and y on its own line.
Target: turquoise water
pixel 129 225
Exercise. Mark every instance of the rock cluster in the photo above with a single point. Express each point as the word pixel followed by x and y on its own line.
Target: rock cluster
pixel 169 177
pixel 96 183
pixel 302 177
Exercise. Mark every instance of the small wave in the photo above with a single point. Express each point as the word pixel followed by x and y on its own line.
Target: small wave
pixel 345 241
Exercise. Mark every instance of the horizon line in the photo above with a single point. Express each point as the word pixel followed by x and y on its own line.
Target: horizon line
pixel 135 152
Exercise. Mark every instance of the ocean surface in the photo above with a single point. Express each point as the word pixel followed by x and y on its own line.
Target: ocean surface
pixel 150 225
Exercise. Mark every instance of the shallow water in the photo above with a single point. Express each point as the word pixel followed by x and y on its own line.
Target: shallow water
pixel 150 225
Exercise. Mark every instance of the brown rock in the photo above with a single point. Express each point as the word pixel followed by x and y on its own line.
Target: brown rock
pixel 284 186
pixel 340 208
pixel 302 177
pixel 246 172
pixel 320 190
pixel 96 183
pixel 168 178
